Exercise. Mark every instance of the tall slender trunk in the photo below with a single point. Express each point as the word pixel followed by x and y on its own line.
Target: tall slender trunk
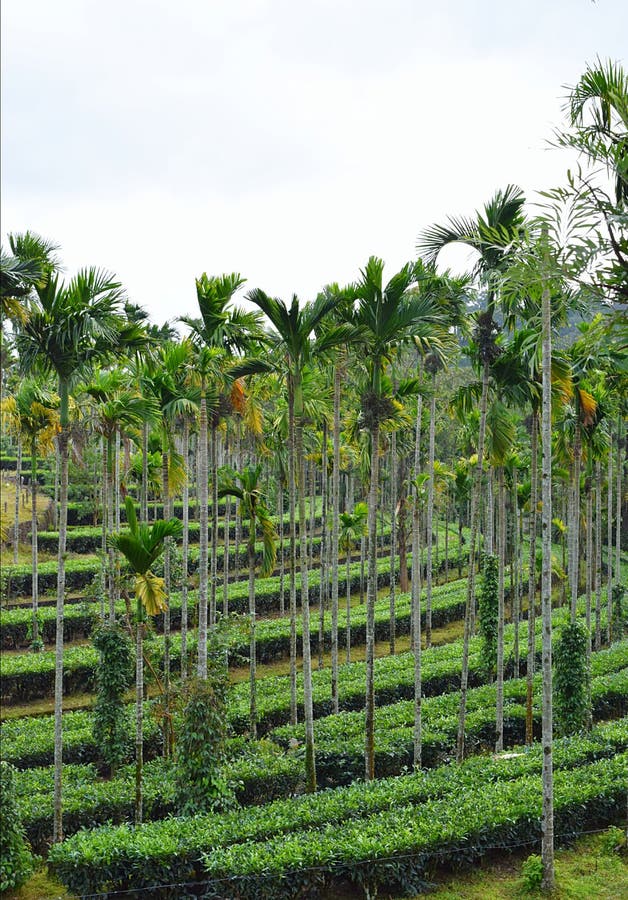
pixel 185 551
pixel 447 535
pixel 598 555
pixel 499 702
pixel 348 629
pixel 323 588
pixel 252 641
pixel 111 571
pixel 371 596
pixel 430 517
pixel 139 713
pixel 469 619
pixel 574 525
pixel 167 729
pixel 416 470
pixel 546 602
pixel 310 762
pixel 490 512
pixel 311 469
pixel 516 597
pixel 532 576
pixel 144 487
pixel 588 590
pixel 362 565
pixel 56 488
pixel 202 553
pixel 18 491
pixel 116 496
pixel 227 547
pixel 416 633
pixel 282 556
pixel 238 516
pixel 34 543
pixel 393 539
pixel 618 499
pixel 609 541
pixel 214 548
pixel 335 490
pixel 402 528
pixel 63 440
pixel 293 559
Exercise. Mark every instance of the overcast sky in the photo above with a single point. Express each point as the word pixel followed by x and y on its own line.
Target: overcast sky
pixel 285 139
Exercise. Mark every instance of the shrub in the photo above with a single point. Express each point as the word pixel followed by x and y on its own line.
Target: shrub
pixel 532 873
pixel 613 840
pixel 572 703
pixel 200 785
pixel 16 860
pixel 488 614
pixel 113 678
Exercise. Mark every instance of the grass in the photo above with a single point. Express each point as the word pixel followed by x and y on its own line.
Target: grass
pixel 583 872
pixel 41 886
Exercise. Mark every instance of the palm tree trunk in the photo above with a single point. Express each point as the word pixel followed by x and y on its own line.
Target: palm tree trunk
pixel 403 537
pixel 293 559
pixel 430 517
pixel 416 633
pixel 227 548
pixel 139 713
pixel 609 541
pixel 348 630
pixel 362 565
pixel 282 557
pixel 532 577
pixel 310 762
pixel 546 603
pixel 618 499
pixel 416 521
pixel 34 543
pixel 324 577
pixel 110 527
pixel 252 641
pixel 589 553
pixel 393 538
pixel 488 537
pixel 214 549
pixel 168 737
pixel 371 597
pixel 63 438
pixel 469 619
pixel 56 488
pixel 574 525
pixel 18 487
pixel 185 551
pixel 202 554
pixel 335 490
pixel 598 555
pixel 144 487
pixel 499 705
pixel 515 567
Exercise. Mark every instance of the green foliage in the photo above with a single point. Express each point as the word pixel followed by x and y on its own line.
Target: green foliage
pixel 199 783
pixel 113 678
pixel 571 679
pixel 488 614
pixel 614 840
pixel 532 873
pixel 291 848
pixel 620 614
pixel 16 861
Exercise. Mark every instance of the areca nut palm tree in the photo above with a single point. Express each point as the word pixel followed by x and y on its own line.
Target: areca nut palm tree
pixel 223 330
pixel 249 493
pixel 293 350
pixel 353 527
pixel 70 327
pixel 116 410
pixel 32 413
pixel 491 234
pixel 386 317
pixel 141 546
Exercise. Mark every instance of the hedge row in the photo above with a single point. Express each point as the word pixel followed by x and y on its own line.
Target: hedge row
pixel 28 676
pixel 88 538
pixel 340 738
pixel 259 776
pixel 389 841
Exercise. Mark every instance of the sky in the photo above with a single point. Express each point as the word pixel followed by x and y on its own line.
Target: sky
pixel 288 141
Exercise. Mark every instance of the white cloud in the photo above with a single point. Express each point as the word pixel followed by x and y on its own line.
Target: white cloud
pixel 284 140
